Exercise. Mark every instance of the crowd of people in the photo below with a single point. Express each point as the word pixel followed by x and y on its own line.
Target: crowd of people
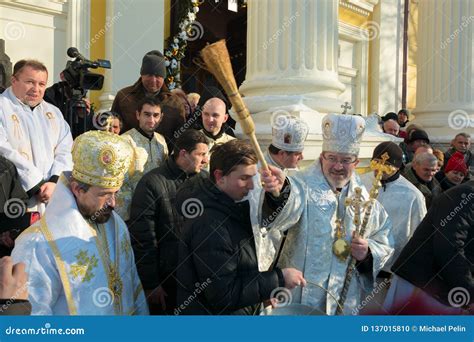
pixel 164 211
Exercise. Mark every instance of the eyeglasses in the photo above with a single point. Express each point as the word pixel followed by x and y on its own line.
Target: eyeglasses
pixel 344 161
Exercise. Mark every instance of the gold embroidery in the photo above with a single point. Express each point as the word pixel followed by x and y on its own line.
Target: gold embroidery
pixel 125 246
pixel 61 266
pixel 50 115
pixel 111 268
pixel 17 128
pixel 84 266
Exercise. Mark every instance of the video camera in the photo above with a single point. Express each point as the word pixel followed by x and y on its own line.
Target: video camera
pixel 79 79
pixel 77 71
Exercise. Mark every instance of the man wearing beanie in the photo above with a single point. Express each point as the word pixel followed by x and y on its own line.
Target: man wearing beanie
pixel 405 214
pixel 454 173
pixel 150 83
pixel 416 139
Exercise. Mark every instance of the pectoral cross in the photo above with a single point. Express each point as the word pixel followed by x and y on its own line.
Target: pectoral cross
pixel 346 106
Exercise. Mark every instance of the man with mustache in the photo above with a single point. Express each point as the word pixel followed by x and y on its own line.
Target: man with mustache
pixel 33 133
pixel 78 256
pixel 322 231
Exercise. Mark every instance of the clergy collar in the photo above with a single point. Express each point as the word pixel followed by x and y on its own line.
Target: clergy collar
pixel 142 132
pixel 214 137
pixel 390 179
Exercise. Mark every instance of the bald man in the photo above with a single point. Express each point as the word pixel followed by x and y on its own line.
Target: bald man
pixel 213 118
pixel 391 127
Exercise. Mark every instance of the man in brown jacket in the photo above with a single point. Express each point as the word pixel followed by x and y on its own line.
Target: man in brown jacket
pixel 150 83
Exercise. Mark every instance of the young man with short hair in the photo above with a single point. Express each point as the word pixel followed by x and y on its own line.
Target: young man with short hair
pixel 155 223
pixel 150 150
pixel 218 251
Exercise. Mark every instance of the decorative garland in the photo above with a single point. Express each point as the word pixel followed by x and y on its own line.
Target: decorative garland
pixel 177 44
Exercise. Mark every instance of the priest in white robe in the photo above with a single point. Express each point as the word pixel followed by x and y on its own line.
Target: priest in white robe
pixel 78 256
pixel 33 133
pixel 318 217
pixel 289 134
pixel 403 202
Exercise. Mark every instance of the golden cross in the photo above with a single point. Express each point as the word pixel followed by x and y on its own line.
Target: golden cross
pixel 355 203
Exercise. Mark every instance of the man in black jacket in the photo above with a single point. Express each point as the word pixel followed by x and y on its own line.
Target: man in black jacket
pixel 218 269
pixel 434 272
pixel 155 223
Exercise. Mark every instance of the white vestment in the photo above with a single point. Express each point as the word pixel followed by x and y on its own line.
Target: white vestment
pixel 37 141
pixel 405 206
pixel 68 267
pixel 149 154
pixel 311 212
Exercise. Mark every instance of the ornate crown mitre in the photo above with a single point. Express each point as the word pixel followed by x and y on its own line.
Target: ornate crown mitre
pixel 342 133
pixel 101 159
pixel 289 134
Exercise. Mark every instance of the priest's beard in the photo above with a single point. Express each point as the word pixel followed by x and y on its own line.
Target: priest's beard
pixel 338 178
pixel 98 216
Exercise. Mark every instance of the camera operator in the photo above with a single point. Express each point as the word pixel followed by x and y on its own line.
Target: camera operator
pixel 69 95
pixel 60 94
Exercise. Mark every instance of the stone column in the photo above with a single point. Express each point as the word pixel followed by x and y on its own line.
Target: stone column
pixel 445 68
pixel 292 51
pixel 78 26
pixel 107 97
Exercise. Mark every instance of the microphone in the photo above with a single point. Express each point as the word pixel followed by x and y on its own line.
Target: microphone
pixel 74 52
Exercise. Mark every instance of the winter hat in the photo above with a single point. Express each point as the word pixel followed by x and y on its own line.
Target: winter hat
pixel 153 64
pixel 395 153
pixel 456 163
pixel 419 134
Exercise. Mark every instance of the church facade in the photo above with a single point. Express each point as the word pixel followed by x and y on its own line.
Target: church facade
pixel 303 57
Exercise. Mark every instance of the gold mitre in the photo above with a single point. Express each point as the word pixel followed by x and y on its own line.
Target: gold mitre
pixel 101 159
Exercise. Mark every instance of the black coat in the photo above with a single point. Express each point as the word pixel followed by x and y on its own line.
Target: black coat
pixel 155 223
pixel 218 271
pixel 440 254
